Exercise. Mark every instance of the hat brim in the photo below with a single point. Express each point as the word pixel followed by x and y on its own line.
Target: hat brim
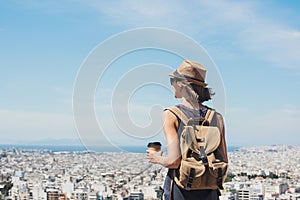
pixel 188 79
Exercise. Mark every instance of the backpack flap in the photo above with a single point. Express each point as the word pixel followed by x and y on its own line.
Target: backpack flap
pixel 210 134
pixel 193 138
pixel 208 137
pixel 188 142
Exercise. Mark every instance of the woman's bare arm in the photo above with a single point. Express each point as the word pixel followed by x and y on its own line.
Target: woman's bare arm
pixel 221 127
pixel 173 157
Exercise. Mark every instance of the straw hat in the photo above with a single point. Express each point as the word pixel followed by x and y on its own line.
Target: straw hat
pixel 192 72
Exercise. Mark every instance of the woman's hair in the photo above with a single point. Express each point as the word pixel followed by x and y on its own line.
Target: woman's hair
pixel 196 92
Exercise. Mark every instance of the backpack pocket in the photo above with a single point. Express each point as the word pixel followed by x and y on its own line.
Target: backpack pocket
pixel 190 173
pixel 193 175
pixel 218 170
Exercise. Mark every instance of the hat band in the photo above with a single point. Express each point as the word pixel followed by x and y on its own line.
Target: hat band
pixel 187 77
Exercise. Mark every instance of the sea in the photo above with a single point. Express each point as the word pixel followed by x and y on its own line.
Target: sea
pixel 77 148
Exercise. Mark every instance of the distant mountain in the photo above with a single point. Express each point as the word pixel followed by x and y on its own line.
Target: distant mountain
pixel 56 142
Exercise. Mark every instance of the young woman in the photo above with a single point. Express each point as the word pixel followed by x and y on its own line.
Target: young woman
pixel 188 82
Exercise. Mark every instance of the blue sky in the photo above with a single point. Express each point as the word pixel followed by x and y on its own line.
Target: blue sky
pixel 255 46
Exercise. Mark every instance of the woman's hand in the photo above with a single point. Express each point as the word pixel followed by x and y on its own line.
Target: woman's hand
pixel 154 156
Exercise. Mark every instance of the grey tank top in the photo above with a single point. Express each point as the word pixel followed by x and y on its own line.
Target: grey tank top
pixel 189 112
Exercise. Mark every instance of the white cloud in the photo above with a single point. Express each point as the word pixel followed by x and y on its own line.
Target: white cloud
pixel 246 24
pixel 31 126
pixel 278 45
pixel 136 12
pixel 53 7
pixel 242 23
pixel 256 33
pixel 246 126
pixel 62 90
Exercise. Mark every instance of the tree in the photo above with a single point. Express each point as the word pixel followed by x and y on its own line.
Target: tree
pixel 272 175
pixel 229 177
pixel 7 187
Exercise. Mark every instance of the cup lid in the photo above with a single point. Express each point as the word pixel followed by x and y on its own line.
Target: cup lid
pixel 151 144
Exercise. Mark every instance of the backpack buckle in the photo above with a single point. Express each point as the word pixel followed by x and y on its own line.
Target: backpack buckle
pixel 203 156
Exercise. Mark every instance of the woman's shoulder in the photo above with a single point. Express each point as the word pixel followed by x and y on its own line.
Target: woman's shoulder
pixel 218 115
pixel 169 113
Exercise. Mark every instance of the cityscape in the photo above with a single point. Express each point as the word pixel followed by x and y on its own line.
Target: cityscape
pixel 256 173
pixel 90 73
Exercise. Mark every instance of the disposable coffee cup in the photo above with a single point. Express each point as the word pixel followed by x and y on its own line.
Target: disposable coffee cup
pixel 154 146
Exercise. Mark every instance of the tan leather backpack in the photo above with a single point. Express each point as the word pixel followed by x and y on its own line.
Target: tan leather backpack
pixel 201 166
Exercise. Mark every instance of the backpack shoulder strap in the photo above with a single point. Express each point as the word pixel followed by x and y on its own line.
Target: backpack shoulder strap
pixel 176 111
pixel 209 115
